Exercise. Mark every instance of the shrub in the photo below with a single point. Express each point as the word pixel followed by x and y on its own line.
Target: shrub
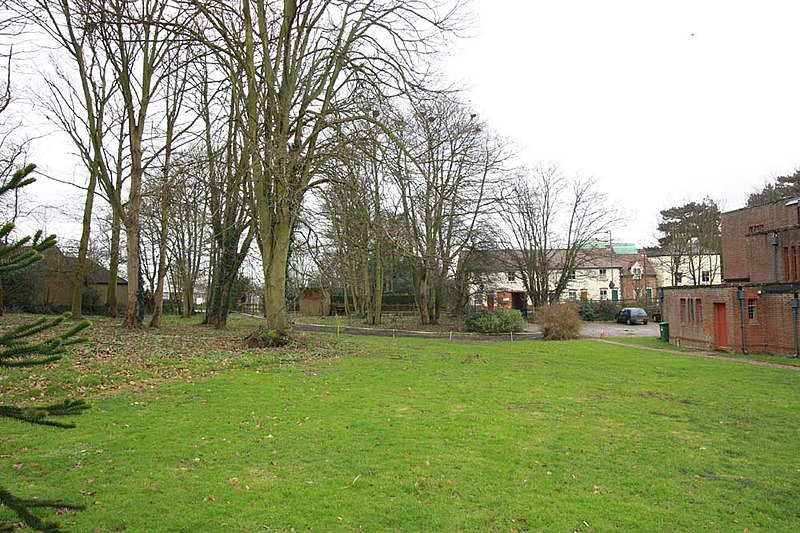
pixel 496 321
pixel 601 311
pixel 91 303
pixel 559 321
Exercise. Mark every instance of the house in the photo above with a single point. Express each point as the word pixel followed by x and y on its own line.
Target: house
pixel 697 268
pixel 603 272
pixel 47 285
pixel 752 310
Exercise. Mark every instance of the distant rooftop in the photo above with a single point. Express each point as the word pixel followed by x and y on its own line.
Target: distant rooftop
pixel 621 248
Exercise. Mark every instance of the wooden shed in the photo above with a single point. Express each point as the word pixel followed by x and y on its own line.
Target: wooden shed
pixel 315 301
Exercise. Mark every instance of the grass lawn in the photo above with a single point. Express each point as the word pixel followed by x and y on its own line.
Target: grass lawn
pixel 189 431
pixel 652 342
pixel 655 342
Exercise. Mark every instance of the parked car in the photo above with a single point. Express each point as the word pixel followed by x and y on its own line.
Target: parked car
pixel 632 315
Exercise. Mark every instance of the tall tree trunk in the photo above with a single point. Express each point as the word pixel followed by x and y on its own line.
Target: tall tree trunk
pixel 83 249
pixel 132 309
pixel 132 227
pixel 187 297
pixel 422 295
pixel 113 267
pixel 275 275
pixel 158 297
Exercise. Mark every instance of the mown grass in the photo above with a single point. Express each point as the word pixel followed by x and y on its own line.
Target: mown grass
pixel 652 342
pixel 655 342
pixel 412 434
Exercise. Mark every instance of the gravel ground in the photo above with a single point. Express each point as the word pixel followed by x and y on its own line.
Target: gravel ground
pixel 592 330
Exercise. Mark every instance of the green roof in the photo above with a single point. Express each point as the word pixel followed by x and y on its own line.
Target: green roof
pixel 621 248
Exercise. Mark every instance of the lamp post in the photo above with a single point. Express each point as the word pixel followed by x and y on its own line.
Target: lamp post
pixel 795 302
pixel 740 297
pixel 611 284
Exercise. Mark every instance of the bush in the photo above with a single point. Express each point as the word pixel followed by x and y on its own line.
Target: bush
pixel 91 303
pixel 559 321
pixel 599 311
pixel 496 321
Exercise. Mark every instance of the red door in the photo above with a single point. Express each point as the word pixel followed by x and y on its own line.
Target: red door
pixel 720 326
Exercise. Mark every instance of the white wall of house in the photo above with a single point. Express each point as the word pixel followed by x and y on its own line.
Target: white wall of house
pixel 595 281
pixel 708 268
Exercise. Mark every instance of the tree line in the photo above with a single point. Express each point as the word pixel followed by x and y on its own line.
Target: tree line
pixel 308 133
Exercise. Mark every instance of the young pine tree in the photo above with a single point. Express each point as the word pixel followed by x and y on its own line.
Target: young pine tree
pixel 38 343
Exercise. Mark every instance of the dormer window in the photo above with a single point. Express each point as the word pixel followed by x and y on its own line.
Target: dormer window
pixel 636 270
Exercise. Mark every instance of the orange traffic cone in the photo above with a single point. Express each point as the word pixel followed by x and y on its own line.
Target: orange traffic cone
pixel 602 334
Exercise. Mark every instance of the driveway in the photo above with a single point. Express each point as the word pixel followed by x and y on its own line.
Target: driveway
pixel 612 329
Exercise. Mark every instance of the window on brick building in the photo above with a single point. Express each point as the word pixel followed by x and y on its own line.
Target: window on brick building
pixel 751 309
pixel 690 305
pixel 683 309
pixel 793 263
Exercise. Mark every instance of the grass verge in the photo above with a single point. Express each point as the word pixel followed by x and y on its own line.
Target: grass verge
pixel 655 342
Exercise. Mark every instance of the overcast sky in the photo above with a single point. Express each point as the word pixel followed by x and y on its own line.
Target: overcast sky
pixel 662 102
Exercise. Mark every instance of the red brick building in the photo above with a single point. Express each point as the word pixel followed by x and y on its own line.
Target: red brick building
pixel 752 310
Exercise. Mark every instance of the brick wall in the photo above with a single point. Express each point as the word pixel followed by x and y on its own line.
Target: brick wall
pixel 769 331
pixel 746 236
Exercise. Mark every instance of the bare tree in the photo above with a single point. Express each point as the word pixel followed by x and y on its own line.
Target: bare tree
pixel 444 171
pixel 189 235
pixel 65 107
pixel 301 62
pixel 551 219
pixel 130 40
pixel 354 206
